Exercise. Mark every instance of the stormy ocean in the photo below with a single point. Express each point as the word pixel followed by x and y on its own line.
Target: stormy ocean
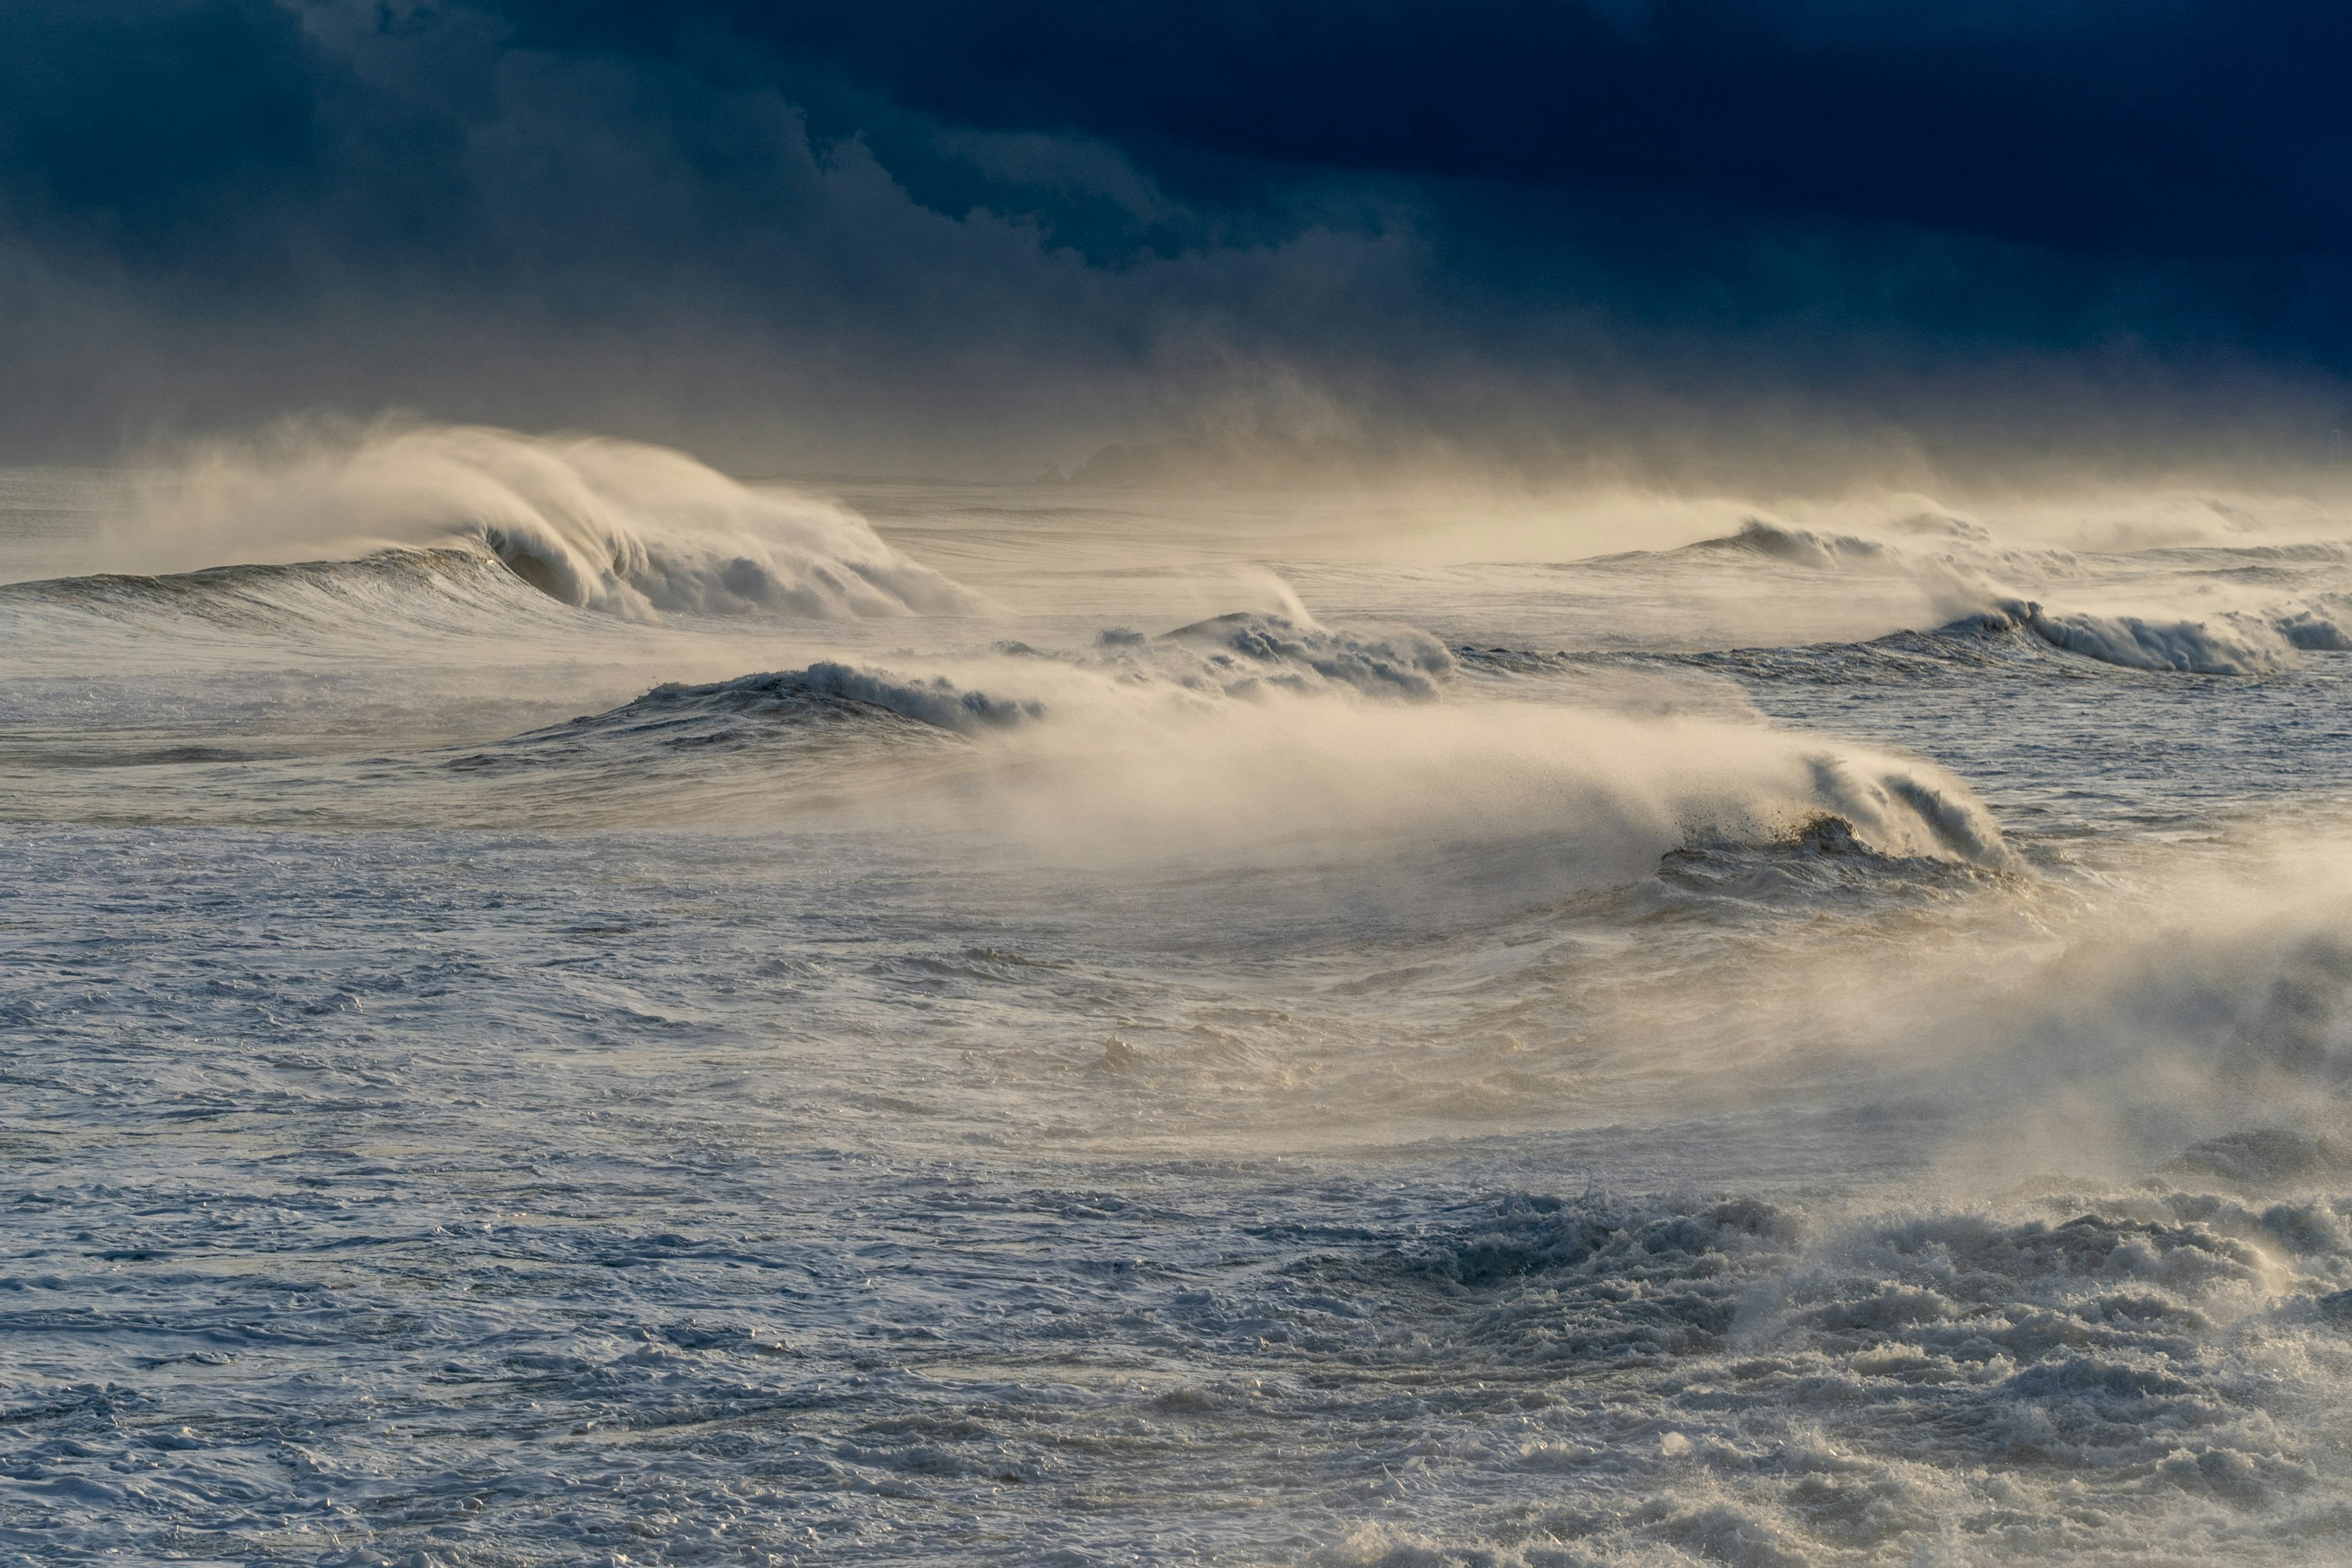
pixel 561 1007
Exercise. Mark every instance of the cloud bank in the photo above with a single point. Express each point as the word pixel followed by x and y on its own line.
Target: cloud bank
pixel 1680 238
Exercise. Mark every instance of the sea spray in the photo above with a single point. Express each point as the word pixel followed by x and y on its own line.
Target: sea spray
pixel 619 526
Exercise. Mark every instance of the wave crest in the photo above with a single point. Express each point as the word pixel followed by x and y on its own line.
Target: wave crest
pixel 1240 651
pixel 2228 643
pixel 617 526
pixel 1803 547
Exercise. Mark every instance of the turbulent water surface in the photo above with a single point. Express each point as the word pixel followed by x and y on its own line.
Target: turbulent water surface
pixel 558 1008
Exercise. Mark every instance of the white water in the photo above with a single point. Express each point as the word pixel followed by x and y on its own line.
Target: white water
pixel 1176 1050
pixel 601 524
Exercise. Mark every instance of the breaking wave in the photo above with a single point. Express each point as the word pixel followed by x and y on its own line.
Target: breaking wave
pixel 1253 736
pixel 2228 643
pixel 1240 650
pixel 2017 634
pixel 615 526
pixel 1958 568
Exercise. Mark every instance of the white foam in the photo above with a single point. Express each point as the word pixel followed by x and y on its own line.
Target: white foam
pixel 617 526
pixel 1965 573
pixel 2223 644
pixel 1252 738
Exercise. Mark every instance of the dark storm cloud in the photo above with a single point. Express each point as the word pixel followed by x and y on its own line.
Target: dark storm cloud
pixel 920 234
pixel 180 137
pixel 2190 128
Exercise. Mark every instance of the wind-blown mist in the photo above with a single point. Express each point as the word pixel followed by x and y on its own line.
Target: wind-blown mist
pixel 1599 823
pixel 1775 1029
pixel 608 525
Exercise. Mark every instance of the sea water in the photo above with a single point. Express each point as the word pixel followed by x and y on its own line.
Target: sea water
pixel 558 1007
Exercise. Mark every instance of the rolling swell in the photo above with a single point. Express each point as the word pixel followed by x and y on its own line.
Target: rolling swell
pixel 448 589
pixel 825 691
pixel 2017 637
pixel 826 706
pixel 1801 547
pixel 1931 545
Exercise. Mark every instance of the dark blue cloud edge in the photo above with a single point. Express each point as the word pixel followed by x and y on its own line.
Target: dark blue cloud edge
pixel 987 223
